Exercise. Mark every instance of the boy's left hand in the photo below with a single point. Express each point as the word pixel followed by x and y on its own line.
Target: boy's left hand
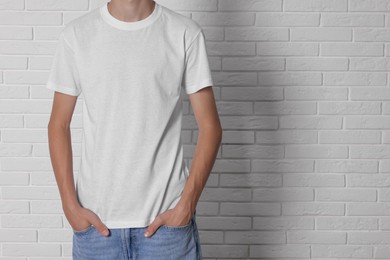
pixel 173 217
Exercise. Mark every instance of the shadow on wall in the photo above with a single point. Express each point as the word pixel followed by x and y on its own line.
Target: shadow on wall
pixel 299 96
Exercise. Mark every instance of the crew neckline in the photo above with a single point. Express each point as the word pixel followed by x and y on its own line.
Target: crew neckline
pixel 107 17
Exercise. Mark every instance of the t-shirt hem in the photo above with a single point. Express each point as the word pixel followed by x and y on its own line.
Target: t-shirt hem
pixel 194 88
pixel 127 224
pixel 62 89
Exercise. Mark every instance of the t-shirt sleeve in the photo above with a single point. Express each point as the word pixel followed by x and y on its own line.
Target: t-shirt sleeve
pixel 63 75
pixel 197 74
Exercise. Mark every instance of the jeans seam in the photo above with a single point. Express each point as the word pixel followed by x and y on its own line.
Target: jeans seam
pixel 197 241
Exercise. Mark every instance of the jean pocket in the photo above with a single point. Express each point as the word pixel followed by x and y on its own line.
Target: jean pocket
pixel 80 232
pixel 179 227
pixel 176 227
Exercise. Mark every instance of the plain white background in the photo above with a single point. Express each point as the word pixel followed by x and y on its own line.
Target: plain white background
pixel 302 88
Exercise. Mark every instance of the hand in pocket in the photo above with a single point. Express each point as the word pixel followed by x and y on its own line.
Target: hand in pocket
pixel 81 218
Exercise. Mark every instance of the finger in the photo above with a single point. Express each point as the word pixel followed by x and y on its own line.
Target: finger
pixel 151 229
pixel 99 225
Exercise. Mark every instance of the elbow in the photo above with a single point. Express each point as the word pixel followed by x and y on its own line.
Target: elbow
pixel 218 128
pixel 220 133
pixel 54 125
pixel 214 130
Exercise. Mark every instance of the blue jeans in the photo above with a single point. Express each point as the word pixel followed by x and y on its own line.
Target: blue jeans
pixel 167 243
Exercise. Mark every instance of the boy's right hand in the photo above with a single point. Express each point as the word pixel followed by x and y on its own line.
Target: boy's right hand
pixel 81 218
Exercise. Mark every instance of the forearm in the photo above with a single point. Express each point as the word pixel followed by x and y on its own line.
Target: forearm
pixel 62 162
pixel 203 160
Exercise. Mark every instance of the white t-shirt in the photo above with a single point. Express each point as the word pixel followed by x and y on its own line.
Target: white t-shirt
pixel 130 75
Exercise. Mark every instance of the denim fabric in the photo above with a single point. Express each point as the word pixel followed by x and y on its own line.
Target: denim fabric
pixel 167 243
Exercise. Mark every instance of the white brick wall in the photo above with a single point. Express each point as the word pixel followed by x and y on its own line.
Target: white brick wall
pixel 302 88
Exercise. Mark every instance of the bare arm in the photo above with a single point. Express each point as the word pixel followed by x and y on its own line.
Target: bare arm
pixel 60 147
pixel 209 140
pixel 61 155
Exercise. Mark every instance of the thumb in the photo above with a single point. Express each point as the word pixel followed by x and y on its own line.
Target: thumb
pixel 99 225
pixel 151 229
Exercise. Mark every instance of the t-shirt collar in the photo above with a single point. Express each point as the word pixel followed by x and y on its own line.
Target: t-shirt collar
pixel 107 17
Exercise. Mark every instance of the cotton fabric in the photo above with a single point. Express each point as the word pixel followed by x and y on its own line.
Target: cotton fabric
pixel 131 76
